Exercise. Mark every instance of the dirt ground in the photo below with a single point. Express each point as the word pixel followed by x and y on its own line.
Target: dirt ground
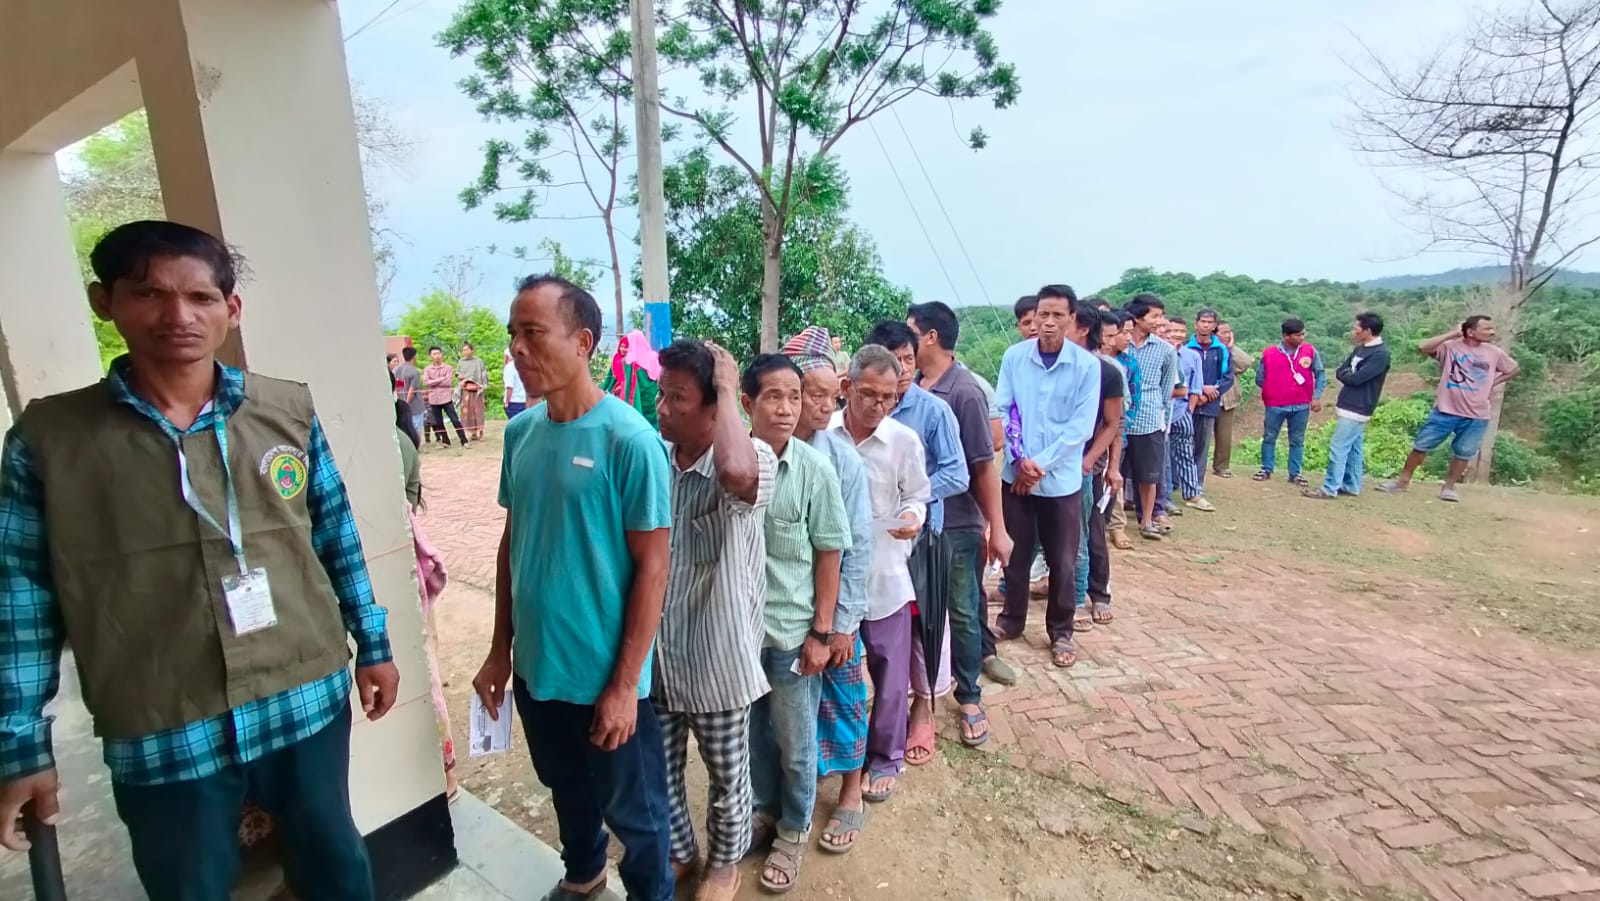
pixel 1008 826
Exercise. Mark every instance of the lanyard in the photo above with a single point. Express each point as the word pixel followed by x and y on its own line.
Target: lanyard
pixel 234 531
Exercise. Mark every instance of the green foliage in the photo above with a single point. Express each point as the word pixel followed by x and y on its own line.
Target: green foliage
pixel 1572 435
pixel 832 275
pixel 443 320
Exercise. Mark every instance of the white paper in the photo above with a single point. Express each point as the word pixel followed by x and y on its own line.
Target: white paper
pixel 249 599
pixel 489 736
pixel 795 667
pixel 890 524
pixel 1105 499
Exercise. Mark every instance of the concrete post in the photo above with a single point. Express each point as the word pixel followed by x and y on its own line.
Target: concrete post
pixel 46 340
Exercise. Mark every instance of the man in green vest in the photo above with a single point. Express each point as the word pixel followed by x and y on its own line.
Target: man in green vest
pixel 183 526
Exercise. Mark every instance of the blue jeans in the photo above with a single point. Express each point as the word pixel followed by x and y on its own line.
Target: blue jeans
pixel 1081 577
pixel 966 616
pixel 783 743
pixel 625 790
pixel 1346 462
pixel 1296 419
pixel 185 834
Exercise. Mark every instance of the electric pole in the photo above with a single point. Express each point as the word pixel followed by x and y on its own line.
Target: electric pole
pixel 652 203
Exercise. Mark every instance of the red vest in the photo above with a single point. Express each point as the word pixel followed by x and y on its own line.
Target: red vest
pixel 1279 387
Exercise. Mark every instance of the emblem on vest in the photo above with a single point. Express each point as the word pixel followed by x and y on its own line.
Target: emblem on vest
pixel 286 467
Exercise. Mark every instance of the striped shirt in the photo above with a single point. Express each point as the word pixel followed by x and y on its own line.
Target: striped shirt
pixel 708 649
pixel 32 632
pixel 807 515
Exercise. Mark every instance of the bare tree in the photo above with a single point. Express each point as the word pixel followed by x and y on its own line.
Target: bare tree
pixel 458 276
pixel 1497 128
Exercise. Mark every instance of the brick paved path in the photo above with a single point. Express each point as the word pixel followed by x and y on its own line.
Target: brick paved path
pixel 1395 747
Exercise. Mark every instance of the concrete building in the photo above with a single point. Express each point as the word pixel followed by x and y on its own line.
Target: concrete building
pixel 250 115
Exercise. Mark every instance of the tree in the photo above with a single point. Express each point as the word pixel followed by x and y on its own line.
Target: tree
pixel 716 251
pixel 555 65
pixel 442 320
pixel 1499 122
pixel 814 69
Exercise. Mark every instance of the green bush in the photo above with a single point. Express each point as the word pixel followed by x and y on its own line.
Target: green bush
pixel 1572 428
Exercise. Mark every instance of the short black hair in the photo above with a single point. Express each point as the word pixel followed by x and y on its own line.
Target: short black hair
pixel 1471 322
pixel 892 335
pixel 692 357
pixel 1177 320
pixel 408 353
pixel 1110 319
pixel 126 252
pixel 1123 317
pixel 435 348
pixel 936 316
pixel 1293 326
pixel 468 345
pixel 577 305
pixel 1141 305
pixel 1059 292
pixel 1370 321
pixel 761 366
pixel 1089 318
pixel 1208 313
pixel 1025 304
pixel 390 358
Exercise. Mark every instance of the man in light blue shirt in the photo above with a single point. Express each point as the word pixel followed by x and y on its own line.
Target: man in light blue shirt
pixel 579 586
pixel 1054 385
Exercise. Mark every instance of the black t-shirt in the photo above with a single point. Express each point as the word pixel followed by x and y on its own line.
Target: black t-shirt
pixel 1111 388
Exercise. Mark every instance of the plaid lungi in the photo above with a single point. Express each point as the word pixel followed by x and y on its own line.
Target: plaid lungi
pixel 842 717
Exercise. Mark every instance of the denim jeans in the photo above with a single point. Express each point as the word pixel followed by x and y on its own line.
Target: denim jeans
pixel 966 612
pixel 1296 419
pixel 783 743
pixel 624 790
pixel 1081 576
pixel 186 834
pixel 1345 457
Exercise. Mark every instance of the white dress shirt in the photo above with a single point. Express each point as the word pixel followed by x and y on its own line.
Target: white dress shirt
pixel 897 480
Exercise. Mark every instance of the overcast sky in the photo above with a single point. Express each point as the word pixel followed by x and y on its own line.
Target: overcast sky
pixel 1164 133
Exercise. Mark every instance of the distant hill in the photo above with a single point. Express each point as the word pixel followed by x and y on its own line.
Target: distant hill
pixel 1477 275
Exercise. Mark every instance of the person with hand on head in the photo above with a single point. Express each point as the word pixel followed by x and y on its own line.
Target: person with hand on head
pixel 1291 378
pixel 1473 368
pixel 708 666
pixel 580 581
pixel 842 708
pixel 807 530
pixel 898 484
pixel 208 600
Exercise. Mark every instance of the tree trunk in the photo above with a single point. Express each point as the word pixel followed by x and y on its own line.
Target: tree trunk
pixel 616 274
pixel 1505 307
pixel 771 277
pixel 1482 467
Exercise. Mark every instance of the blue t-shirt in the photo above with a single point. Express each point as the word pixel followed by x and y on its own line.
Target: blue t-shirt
pixel 573 489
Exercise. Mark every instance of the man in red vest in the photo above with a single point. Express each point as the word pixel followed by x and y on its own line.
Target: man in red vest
pixel 1291 379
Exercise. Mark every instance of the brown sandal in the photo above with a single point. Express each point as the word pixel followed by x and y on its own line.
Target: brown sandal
pixel 785 858
pixel 1063 655
pixel 1102 614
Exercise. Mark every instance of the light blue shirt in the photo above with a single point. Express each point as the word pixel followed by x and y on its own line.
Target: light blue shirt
pixel 1191 375
pixel 856 563
pixel 935 423
pixel 1057 408
pixel 573 491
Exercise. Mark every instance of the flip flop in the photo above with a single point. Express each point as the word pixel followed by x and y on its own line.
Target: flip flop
pixel 1102 614
pixel 921 738
pixel 849 821
pixel 1261 476
pixel 972 721
pixel 1082 620
pixel 879 797
pixel 1063 656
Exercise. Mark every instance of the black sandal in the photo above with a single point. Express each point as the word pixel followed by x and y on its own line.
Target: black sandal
pixel 1261 476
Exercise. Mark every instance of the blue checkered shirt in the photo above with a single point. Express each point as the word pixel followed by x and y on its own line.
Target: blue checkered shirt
pixel 1158 375
pixel 31 630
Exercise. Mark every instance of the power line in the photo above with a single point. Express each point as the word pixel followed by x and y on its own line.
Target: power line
pixel 372 21
pixel 936 199
pixel 914 214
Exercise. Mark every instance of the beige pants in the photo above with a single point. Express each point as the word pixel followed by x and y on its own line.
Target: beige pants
pixel 1116 517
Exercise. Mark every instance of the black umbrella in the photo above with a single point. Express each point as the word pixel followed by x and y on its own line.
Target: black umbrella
pixel 930 576
pixel 44 857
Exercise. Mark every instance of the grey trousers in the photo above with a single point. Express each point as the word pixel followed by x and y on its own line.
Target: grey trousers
pixel 1205 430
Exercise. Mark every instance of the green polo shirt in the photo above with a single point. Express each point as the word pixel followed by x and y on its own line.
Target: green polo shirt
pixel 806 515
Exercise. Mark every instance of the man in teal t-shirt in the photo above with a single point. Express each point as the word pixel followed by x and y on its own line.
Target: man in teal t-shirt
pixel 579 585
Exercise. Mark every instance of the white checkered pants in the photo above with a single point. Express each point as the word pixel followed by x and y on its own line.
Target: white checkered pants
pixel 724 742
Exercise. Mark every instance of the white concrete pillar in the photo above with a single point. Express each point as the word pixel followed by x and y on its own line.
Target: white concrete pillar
pixel 46 340
pixel 250 114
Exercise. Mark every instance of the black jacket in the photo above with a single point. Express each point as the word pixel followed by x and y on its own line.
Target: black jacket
pixel 1363 380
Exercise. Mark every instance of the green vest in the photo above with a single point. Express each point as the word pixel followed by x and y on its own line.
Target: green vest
pixel 138 576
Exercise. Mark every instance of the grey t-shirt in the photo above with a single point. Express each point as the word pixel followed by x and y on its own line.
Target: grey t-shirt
pixel 959 388
pixel 411 382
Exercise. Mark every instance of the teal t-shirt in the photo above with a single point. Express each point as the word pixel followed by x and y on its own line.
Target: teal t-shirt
pixel 573 489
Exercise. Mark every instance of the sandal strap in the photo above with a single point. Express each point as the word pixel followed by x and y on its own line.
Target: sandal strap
pixel 849 820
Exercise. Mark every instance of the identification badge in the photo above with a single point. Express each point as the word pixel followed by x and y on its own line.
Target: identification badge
pixel 1298 378
pixel 249 599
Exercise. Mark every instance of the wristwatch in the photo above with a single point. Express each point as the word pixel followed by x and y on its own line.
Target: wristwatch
pixel 820 636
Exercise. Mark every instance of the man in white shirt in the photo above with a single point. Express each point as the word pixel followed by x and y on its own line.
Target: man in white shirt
pixel 899 487
pixel 516 399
